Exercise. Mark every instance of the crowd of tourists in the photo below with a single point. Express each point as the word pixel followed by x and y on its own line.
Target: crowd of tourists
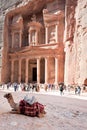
pixel 21 86
pixel 47 87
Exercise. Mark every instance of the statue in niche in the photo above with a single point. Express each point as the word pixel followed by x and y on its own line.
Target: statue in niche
pixel 17 19
pixel 52 37
pixel 16 40
pixel 52 34
pixel 20 19
pixel 33 37
pixel 33 17
pixel 45 11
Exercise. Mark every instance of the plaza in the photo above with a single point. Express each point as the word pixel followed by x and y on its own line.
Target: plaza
pixel 63 112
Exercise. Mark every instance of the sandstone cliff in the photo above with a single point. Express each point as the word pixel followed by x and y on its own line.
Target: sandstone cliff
pixel 76 45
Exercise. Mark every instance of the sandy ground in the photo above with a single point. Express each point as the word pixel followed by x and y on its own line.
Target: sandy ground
pixel 67 112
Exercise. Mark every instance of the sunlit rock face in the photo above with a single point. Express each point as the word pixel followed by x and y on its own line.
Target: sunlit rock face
pixel 75 42
pixel 80 40
pixel 37 22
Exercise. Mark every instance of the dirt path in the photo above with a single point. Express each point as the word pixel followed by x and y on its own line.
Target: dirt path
pixel 62 114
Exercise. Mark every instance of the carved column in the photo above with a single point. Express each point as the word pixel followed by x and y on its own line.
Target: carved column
pixel 38 70
pixel 12 71
pixel 29 37
pixel 19 78
pixel 12 39
pixel 20 34
pixel 36 37
pixel 56 70
pixel 46 70
pixel 26 73
pixel 56 33
pixel 46 34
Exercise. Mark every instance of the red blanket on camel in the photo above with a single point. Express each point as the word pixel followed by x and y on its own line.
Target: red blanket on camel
pixel 30 110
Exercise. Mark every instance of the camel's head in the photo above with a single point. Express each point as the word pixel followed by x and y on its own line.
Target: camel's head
pixel 8 95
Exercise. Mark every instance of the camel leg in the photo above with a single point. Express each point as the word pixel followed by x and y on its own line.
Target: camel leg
pixel 13 109
pixel 40 115
pixel 13 112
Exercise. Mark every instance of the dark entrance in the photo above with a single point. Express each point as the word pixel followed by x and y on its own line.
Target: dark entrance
pixel 34 76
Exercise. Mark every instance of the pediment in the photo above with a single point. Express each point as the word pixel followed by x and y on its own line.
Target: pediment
pixel 48 17
pixel 33 25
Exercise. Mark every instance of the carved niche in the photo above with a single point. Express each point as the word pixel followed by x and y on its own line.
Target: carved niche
pixel 16 40
pixel 16 30
pixel 35 29
pixel 52 21
pixel 52 36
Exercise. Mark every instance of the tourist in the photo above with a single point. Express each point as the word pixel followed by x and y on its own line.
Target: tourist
pixel 79 90
pixel 76 90
pixel 61 87
pixel 15 86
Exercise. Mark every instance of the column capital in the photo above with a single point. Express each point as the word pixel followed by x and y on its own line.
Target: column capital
pixel 27 59
pixel 21 32
pixel 12 33
pixel 38 58
pixel 46 57
pixel 46 26
pixel 12 60
pixel 20 59
pixel 57 23
pixel 29 30
pixel 56 57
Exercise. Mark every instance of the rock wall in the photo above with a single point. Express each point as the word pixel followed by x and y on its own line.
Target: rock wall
pixel 70 24
pixel 75 42
pixel 80 40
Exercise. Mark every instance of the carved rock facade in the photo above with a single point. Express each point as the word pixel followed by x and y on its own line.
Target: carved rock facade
pixel 45 42
pixel 33 43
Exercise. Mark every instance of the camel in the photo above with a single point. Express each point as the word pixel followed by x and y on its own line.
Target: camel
pixel 23 107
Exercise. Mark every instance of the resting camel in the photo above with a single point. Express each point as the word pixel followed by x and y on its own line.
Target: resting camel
pixel 23 107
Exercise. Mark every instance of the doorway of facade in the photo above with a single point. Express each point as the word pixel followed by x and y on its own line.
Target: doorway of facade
pixel 34 74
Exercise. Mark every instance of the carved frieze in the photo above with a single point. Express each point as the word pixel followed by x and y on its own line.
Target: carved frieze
pixel 16 29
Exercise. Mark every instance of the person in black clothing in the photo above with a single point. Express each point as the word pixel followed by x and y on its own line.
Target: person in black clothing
pixel 79 89
pixel 76 90
pixel 61 87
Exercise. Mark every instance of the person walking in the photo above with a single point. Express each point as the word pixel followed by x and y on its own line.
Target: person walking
pixel 61 87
